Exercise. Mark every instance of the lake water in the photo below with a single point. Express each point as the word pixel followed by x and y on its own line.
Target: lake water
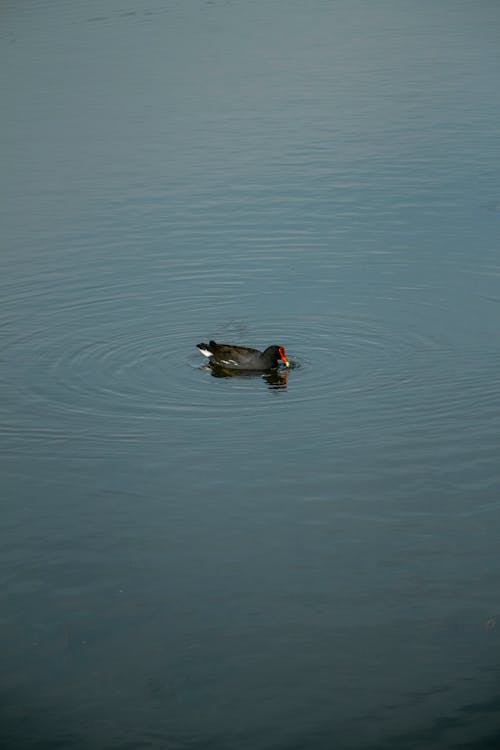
pixel 304 563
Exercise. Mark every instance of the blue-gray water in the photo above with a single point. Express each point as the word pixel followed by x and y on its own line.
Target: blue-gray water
pixel 190 562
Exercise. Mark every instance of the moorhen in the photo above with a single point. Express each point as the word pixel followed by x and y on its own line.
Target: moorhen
pixel 243 358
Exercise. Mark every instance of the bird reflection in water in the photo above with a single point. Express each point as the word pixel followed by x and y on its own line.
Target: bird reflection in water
pixel 275 379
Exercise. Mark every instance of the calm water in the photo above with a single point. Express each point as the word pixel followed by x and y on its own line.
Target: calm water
pixel 190 562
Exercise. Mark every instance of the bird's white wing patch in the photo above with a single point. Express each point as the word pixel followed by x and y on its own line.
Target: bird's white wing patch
pixel 206 352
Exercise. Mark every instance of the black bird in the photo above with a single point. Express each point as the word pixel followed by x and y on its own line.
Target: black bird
pixel 243 358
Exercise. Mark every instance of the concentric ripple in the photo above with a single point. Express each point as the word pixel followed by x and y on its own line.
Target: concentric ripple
pixel 116 360
pixel 94 358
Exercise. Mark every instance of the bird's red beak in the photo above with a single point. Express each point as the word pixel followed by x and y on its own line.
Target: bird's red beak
pixel 283 357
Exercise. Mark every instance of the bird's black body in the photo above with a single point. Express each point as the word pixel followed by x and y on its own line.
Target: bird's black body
pixel 232 357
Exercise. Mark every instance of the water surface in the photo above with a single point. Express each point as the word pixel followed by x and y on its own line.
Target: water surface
pixel 198 562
